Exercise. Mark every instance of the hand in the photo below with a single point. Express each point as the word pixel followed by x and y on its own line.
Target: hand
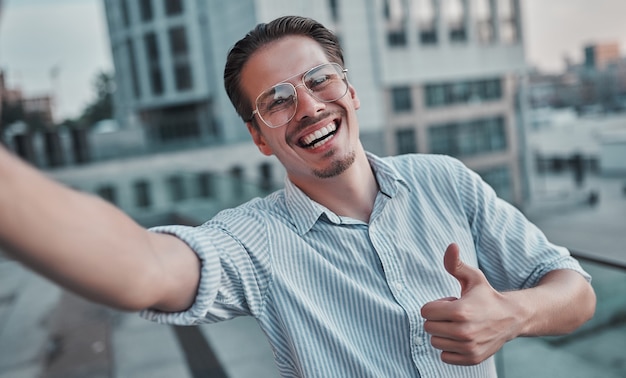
pixel 471 328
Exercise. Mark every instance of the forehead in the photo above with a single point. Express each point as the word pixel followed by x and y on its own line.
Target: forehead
pixel 278 61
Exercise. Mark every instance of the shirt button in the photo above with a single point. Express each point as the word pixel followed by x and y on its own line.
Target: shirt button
pixel 399 286
pixel 418 342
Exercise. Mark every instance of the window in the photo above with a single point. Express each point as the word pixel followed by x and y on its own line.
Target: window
pixel 178 41
pixel 206 184
pixel 132 62
pixel 441 139
pixel 459 92
pixel 455 18
pixel 266 176
pixel 173 7
pixel 423 13
pixel 405 141
pixel 495 132
pixel 143 198
pixel 236 174
pixel 484 22
pixel 493 89
pixel 176 123
pixel 393 11
pixel 396 38
pixel 428 37
pixel 469 138
pixel 458 35
pixel 462 92
pixel 176 186
pixel 435 95
pixel 182 75
pixel 508 21
pixel 396 23
pixel 145 8
pixel 154 65
pixel 107 192
pixel 180 56
pixel 401 99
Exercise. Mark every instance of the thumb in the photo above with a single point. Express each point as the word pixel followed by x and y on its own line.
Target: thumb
pixel 467 276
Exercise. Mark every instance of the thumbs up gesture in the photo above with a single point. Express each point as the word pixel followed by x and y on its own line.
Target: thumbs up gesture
pixel 471 328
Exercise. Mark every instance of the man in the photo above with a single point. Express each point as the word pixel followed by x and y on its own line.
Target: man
pixel 360 267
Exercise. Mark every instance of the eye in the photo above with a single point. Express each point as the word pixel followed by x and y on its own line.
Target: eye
pixel 318 81
pixel 276 99
pixel 277 103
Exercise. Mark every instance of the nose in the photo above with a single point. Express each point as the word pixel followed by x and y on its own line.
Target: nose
pixel 307 105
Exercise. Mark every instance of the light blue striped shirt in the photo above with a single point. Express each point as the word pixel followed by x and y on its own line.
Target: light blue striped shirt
pixel 338 297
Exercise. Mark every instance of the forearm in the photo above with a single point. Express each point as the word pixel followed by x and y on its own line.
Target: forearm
pixel 561 302
pixel 75 239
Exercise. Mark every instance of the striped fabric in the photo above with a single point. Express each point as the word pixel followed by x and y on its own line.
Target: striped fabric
pixel 337 297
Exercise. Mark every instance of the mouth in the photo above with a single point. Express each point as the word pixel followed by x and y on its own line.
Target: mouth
pixel 319 137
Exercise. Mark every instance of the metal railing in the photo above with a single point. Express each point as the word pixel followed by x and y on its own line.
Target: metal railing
pixel 594 350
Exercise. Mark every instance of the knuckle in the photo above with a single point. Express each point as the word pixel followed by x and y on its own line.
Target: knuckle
pixel 464 313
pixel 467 333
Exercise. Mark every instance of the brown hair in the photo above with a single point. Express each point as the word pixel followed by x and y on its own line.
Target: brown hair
pixel 260 36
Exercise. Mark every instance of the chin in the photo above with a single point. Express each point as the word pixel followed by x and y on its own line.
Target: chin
pixel 337 167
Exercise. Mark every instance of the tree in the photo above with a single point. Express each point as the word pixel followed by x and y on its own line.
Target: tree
pixel 102 107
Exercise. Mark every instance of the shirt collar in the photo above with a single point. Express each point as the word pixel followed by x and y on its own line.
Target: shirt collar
pixel 305 212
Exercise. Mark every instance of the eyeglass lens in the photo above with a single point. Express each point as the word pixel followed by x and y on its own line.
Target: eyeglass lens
pixel 277 105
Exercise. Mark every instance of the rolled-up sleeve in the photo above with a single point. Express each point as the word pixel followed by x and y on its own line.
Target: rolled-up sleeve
pixel 199 240
pixel 512 251
pixel 233 250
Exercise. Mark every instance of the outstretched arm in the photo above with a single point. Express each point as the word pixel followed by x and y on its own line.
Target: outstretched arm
pixel 475 326
pixel 89 246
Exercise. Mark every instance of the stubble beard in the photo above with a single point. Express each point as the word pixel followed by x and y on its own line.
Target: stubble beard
pixel 337 167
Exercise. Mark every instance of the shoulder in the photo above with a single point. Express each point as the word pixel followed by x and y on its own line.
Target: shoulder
pixel 423 167
pixel 252 215
pixel 428 161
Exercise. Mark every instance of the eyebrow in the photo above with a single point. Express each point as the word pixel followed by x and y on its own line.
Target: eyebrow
pixel 296 75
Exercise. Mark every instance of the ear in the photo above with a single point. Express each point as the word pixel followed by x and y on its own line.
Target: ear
pixel 259 139
pixel 355 99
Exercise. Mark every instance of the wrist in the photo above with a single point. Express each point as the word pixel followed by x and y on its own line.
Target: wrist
pixel 522 313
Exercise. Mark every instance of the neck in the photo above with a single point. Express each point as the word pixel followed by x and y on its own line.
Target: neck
pixel 349 194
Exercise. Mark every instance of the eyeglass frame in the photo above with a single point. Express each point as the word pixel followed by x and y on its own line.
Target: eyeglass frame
pixel 342 70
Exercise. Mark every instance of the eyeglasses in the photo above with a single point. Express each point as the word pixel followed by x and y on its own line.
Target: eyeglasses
pixel 276 106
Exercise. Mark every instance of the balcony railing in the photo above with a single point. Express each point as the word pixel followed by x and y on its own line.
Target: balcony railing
pixel 594 350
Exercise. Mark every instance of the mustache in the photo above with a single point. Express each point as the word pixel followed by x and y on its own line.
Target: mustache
pixel 313 120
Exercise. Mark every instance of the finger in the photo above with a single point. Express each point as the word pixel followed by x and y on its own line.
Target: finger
pixel 438 310
pixel 447 330
pixel 462 359
pixel 466 275
pixel 459 352
pixel 445 344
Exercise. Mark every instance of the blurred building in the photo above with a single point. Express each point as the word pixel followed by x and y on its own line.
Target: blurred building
pixel 29 107
pixel 23 116
pixel 40 107
pixel 596 85
pixel 599 56
pixel 448 74
pixel 433 76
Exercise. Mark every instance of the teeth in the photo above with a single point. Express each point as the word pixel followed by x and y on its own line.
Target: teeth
pixel 324 131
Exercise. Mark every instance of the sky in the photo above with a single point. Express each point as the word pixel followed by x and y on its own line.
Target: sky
pixel 41 37
pixel 59 46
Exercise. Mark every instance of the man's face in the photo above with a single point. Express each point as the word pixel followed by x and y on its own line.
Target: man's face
pixel 320 140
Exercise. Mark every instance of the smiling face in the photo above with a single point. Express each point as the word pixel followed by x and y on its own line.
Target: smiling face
pixel 321 140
